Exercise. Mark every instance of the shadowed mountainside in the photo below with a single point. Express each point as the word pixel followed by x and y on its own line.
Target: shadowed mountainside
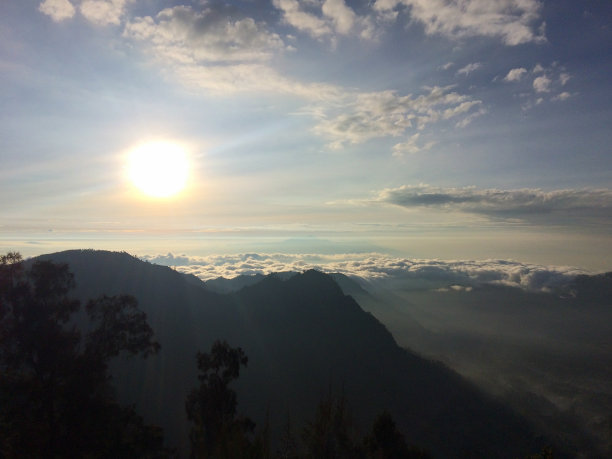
pixel 548 354
pixel 303 337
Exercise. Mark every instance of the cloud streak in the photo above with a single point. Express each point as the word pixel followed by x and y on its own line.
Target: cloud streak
pixel 469 68
pixel 521 203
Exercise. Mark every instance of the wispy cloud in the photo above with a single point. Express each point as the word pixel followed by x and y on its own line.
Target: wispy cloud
pixel 386 113
pixel 466 70
pixel 327 19
pixel 207 51
pixel 564 78
pixel 513 21
pixel 215 49
pixel 189 36
pixel 412 145
pixel 562 96
pixel 103 12
pixel 376 268
pixel 218 51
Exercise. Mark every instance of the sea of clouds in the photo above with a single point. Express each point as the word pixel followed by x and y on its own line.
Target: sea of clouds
pixel 378 269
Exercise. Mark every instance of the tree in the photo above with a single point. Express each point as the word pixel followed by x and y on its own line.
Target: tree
pixel 331 435
pixel 288 447
pixel 386 442
pixel 217 432
pixel 546 453
pixel 55 394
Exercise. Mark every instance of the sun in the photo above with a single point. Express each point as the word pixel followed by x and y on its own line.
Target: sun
pixel 159 169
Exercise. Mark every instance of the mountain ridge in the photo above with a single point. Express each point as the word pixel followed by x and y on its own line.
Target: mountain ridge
pixel 303 336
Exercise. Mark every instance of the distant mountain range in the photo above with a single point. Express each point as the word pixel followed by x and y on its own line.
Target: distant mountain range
pixel 304 338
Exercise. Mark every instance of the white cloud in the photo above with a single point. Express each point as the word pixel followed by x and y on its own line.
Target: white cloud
pixel 215 51
pixel 301 20
pixel 569 205
pixel 562 96
pixel 325 19
pixel 542 84
pixel 103 12
pixel 205 50
pixel 185 35
pixel 550 79
pixel 255 78
pixel 564 78
pixel 342 16
pixel 465 121
pixel 380 114
pixel 513 21
pixel 411 146
pixel 447 66
pixel 58 10
pixel 515 74
pixel 379 268
pixel 469 68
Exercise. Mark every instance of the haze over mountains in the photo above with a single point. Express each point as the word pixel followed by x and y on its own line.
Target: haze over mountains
pixel 304 337
pixel 543 342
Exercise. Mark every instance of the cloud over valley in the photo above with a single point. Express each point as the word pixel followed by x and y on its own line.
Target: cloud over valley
pixel 379 269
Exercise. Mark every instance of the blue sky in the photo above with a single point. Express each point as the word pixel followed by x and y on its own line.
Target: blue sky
pixel 419 128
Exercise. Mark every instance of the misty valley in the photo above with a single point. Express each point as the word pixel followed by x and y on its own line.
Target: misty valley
pixel 335 363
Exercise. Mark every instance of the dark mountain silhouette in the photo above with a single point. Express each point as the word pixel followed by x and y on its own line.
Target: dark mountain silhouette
pixel 303 338
pixel 224 285
pixel 547 354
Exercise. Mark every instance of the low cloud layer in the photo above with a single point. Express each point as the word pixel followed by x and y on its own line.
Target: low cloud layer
pixel 528 204
pixel 379 269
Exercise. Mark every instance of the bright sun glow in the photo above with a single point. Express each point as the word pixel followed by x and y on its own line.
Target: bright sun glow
pixel 159 169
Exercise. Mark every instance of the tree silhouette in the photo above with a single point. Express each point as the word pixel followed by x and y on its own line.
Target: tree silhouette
pixel 331 435
pixel 385 441
pixel 55 394
pixel 211 407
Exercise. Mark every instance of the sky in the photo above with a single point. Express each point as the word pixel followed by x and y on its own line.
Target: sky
pixel 395 129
